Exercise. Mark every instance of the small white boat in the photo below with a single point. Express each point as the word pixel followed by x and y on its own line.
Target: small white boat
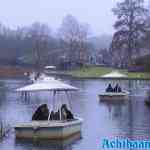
pixel 50 69
pixel 48 129
pixel 109 96
pixel 54 130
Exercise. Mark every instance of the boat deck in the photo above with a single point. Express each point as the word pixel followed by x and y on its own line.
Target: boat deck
pixel 54 123
pixel 48 129
pixel 114 96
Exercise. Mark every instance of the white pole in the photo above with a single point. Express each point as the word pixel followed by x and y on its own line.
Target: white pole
pixel 68 100
pixel 60 113
pixel 53 107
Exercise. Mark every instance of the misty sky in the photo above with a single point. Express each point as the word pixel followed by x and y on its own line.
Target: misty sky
pixel 97 13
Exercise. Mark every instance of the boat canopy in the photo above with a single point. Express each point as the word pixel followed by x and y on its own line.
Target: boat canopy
pixel 48 84
pixel 114 74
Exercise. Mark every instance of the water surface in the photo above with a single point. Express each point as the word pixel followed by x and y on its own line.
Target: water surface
pixel 130 119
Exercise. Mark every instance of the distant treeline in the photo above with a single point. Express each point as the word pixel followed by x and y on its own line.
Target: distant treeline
pixel 71 46
pixel 37 45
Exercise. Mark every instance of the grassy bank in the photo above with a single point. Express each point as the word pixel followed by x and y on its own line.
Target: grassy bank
pixel 85 72
pixel 96 72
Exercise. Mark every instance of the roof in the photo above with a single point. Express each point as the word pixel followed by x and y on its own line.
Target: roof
pixel 114 74
pixel 47 84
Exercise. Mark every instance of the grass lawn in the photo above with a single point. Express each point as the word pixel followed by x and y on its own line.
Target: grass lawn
pixel 139 75
pixel 95 72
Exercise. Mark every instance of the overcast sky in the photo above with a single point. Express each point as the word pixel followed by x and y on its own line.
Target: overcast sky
pixel 97 13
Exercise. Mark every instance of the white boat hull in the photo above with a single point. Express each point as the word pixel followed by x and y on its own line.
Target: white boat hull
pixel 109 96
pixel 48 129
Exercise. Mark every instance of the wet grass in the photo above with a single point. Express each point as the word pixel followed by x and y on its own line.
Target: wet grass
pixel 139 75
pixel 97 72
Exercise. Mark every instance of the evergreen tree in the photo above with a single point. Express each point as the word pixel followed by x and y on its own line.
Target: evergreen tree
pixel 130 29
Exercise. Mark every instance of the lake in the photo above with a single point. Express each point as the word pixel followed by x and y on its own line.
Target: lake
pixel 129 119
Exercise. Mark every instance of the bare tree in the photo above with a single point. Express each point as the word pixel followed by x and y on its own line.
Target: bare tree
pixel 39 34
pixel 74 34
pixel 82 40
pixel 35 44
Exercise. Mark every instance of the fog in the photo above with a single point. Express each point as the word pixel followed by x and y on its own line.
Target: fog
pixel 96 13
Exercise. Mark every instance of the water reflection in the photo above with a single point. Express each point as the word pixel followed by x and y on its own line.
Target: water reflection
pixel 48 144
pixel 129 119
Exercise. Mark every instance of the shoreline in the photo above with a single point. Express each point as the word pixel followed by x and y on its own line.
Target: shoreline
pixel 101 78
pixel 93 72
pixel 83 73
